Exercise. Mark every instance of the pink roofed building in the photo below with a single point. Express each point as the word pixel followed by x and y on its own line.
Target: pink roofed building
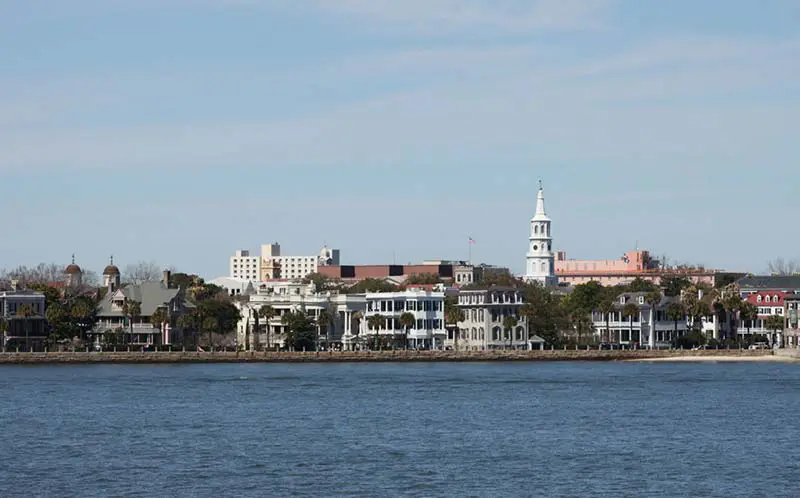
pixel 633 264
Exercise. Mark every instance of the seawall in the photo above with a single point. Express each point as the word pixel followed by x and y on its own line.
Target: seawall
pixel 361 356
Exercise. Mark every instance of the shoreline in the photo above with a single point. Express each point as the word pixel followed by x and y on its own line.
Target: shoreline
pixel 394 356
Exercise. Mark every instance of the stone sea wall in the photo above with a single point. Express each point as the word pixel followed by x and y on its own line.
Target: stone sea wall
pixel 364 356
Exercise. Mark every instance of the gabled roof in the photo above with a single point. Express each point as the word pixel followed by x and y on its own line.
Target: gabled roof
pixel 152 295
pixel 770 282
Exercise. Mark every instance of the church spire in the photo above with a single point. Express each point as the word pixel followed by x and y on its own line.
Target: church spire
pixel 540 212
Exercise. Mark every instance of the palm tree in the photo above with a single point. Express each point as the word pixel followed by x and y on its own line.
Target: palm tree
pixel 676 312
pixel 407 320
pixel 187 322
pixel 3 330
pixel 131 310
pixel 652 299
pixel 748 313
pixel 452 315
pixel 159 317
pixel 324 321
pixel 630 311
pixel 26 312
pixel 732 303
pixel 376 322
pixel 257 326
pixel 509 322
pixel 356 318
pixel 775 323
pixel 606 308
pixel 267 312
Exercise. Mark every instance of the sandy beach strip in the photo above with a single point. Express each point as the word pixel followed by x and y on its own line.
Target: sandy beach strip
pixel 719 359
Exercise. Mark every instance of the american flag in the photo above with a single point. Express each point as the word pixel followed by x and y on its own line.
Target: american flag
pixel 471 240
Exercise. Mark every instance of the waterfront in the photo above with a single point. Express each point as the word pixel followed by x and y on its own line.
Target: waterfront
pixel 384 429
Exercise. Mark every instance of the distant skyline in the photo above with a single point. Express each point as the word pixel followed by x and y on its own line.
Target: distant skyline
pixel 178 131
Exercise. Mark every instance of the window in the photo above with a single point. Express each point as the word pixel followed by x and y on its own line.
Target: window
pixel 622 300
pixel 641 299
pixel 758 299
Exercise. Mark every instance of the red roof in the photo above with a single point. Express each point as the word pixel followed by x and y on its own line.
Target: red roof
pixel 768 299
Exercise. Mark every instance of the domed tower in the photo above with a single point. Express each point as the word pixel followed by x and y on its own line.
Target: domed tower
pixel 539 262
pixel 74 274
pixel 111 275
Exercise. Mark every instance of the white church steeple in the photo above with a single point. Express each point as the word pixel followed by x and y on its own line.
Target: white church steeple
pixel 540 261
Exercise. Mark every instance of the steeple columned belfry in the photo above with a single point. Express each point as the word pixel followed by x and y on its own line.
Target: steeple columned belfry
pixel 540 260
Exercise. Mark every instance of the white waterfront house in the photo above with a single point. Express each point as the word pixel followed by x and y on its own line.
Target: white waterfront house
pixel 540 260
pixel 483 327
pixel 424 303
pixel 345 310
pixel 618 328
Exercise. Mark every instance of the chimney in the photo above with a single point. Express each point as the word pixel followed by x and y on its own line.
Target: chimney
pixel 166 278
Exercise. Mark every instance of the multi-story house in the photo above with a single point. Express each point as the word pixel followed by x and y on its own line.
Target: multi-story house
pixel 483 326
pixel 346 313
pixel 426 305
pixel 768 303
pixel 792 331
pixel 650 326
pixel 22 319
pixel 138 330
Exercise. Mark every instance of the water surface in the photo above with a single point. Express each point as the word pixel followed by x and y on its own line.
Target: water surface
pixel 416 429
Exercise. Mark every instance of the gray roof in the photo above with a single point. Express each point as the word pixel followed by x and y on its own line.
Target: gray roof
pixel 770 282
pixel 152 295
pixel 633 297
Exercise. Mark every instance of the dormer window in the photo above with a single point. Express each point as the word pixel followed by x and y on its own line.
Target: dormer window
pixel 775 299
pixel 622 300
pixel 641 299
pixel 758 299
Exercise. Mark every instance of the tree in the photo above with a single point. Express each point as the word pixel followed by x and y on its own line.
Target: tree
pixel 775 323
pixel 509 322
pixel 189 322
pixel 674 284
pixel 142 271
pixel 676 311
pixel 407 320
pixel 630 311
pixel 321 282
pixel 545 312
pixel 300 331
pixel 159 317
pixel 185 280
pixel 370 285
pixel 423 279
pixel 131 310
pixel 324 322
pixel 606 307
pixel 653 298
pixel 731 300
pixel 44 273
pixel 376 322
pixel 267 312
pixel 27 312
pixel 452 315
pixel 222 316
pixel 641 285
pixel 781 267
pixel 3 330
pixel 748 313
pixel 497 279
pixel 693 339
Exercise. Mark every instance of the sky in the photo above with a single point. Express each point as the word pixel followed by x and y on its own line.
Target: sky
pixel 177 131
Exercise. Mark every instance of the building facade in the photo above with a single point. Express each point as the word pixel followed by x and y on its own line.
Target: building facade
pixel 539 262
pixel 115 327
pixel 283 297
pixel 426 307
pixel 484 324
pixel 22 320
pixel 621 271
pixel 271 265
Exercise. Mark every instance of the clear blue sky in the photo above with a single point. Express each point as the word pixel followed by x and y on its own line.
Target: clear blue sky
pixel 180 130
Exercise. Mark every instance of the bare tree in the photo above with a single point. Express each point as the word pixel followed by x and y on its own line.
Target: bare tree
pixel 44 273
pixel 142 271
pixel 780 266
